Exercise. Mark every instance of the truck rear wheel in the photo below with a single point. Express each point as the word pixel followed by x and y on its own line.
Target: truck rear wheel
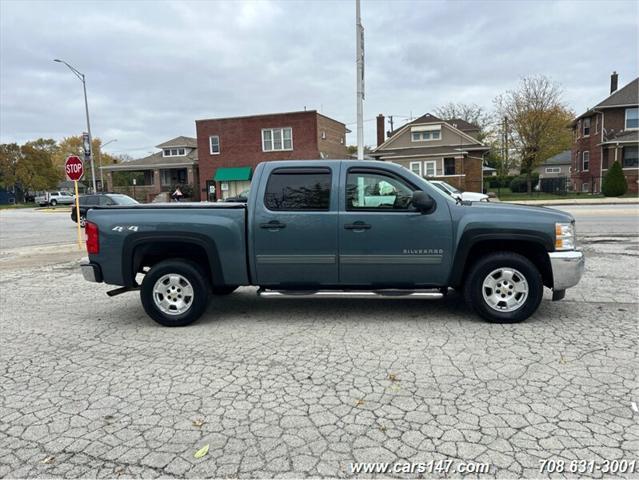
pixel 174 293
pixel 504 287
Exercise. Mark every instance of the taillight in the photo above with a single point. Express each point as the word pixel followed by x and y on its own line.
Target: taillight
pixel 92 238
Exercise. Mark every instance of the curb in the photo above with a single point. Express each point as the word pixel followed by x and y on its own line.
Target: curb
pixel 53 209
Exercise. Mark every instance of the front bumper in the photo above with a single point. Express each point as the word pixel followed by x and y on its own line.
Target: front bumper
pixel 91 272
pixel 567 268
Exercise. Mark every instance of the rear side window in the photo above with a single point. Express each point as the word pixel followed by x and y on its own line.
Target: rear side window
pixel 294 189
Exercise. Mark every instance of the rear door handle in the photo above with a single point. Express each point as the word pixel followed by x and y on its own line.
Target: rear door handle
pixel 273 225
pixel 357 226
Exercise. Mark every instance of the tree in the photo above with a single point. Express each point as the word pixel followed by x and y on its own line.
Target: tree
pixel 471 113
pixel 34 170
pixel 538 120
pixel 9 158
pixel 614 182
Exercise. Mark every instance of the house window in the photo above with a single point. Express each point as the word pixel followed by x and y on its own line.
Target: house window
pixel 449 166
pixel 585 187
pixel 579 129
pixel 426 136
pixel 277 139
pixel 630 157
pixel 430 168
pixel 585 161
pixel 416 168
pixel 596 123
pixel 174 152
pixel 214 143
pixel 586 127
pixel 632 118
pixel 553 170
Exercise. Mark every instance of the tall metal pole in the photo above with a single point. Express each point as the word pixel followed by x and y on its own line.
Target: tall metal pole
pixel 86 109
pixel 100 147
pixel 359 33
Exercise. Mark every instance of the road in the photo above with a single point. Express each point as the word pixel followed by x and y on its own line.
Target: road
pixel 605 220
pixel 91 387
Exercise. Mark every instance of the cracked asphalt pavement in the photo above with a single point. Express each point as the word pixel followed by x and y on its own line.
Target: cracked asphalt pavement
pixel 91 387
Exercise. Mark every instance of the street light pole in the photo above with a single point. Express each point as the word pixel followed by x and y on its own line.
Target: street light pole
pixel 100 147
pixel 86 109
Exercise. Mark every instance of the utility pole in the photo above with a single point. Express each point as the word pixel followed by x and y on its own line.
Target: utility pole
pixel 359 56
pixel 86 110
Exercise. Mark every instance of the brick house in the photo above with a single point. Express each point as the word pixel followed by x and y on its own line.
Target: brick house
pixel 435 149
pixel 605 133
pixel 230 148
pixel 176 164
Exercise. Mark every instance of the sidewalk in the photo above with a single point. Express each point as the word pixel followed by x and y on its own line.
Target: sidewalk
pixel 578 201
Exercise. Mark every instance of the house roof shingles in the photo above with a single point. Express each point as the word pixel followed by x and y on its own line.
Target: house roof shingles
pixel 155 160
pixel 179 142
pixel 628 95
pixel 562 158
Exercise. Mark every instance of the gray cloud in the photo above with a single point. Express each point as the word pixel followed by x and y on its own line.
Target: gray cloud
pixel 154 67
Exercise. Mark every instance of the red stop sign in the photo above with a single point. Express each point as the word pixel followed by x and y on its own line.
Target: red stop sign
pixel 74 167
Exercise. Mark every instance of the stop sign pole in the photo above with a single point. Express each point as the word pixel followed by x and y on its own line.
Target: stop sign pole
pixel 74 169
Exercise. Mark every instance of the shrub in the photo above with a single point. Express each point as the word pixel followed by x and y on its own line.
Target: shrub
pixel 519 184
pixel 614 182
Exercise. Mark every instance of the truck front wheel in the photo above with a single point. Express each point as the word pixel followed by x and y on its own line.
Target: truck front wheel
pixel 504 287
pixel 174 293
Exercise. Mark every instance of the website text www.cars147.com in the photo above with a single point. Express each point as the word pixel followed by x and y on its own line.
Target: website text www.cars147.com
pixel 433 466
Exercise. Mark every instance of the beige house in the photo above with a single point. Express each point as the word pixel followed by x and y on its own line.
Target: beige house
pixel 436 149
pixel 176 164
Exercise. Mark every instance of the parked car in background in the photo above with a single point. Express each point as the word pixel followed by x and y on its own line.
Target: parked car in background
pixel 241 197
pixel 99 200
pixel 458 194
pixel 55 198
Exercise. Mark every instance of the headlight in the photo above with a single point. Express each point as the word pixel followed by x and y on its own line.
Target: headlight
pixel 565 236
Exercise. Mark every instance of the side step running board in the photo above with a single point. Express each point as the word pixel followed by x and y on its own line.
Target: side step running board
pixel 433 294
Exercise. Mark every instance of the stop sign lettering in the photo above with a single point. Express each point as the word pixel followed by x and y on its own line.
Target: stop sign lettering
pixel 74 168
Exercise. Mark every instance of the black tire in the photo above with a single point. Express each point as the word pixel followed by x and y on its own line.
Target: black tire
pixel 198 302
pixel 474 294
pixel 53 203
pixel 225 290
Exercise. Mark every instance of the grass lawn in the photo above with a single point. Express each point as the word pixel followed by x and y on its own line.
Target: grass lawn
pixel 17 205
pixel 506 195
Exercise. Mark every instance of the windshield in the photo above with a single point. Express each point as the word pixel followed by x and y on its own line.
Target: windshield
pixel 123 200
pixel 449 187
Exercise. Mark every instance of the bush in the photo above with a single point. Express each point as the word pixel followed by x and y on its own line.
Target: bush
pixel 496 182
pixel 614 182
pixel 519 184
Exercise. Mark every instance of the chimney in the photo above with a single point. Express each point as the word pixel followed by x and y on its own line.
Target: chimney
pixel 614 81
pixel 380 129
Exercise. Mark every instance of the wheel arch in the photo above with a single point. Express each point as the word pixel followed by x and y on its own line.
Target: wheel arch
pixel 145 250
pixel 535 248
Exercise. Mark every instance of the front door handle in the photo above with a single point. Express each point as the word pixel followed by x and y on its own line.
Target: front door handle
pixel 273 225
pixel 357 226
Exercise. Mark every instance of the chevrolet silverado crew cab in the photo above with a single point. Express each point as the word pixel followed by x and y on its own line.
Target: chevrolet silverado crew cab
pixel 334 227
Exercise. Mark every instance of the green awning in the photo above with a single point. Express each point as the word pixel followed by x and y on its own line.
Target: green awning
pixel 232 174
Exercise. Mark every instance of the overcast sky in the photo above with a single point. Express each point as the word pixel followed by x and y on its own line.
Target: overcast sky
pixel 153 68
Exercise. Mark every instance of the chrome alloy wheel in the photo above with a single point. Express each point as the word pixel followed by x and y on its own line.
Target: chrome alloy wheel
pixel 173 294
pixel 505 289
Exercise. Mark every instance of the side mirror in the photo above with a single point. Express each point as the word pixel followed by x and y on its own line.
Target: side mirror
pixel 423 202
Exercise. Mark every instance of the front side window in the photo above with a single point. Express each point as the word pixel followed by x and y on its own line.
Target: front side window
pixel 630 157
pixel 295 189
pixel 277 139
pixel 585 161
pixel 632 118
pixel 449 166
pixel 376 191
pixel 586 126
pixel 214 142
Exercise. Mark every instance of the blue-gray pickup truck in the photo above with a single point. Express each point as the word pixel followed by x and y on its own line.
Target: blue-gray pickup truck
pixel 334 227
